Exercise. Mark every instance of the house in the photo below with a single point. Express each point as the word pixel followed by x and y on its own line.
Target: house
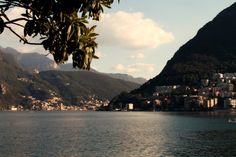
pixel 13 108
pixel 211 103
pixel 193 102
pixel 130 107
pixel 230 103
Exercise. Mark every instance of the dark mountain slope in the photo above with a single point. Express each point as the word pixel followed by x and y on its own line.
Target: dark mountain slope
pixel 33 62
pixel 30 61
pixel 127 77
pixel 81 84
pixel 213 49
pixel 16 84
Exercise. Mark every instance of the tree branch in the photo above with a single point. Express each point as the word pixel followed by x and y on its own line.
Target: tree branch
pixel 21 38
pixel 16 20
pixel 16 24
pixel 4 15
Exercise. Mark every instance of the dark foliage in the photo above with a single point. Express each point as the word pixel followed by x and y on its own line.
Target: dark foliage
pixel 60 25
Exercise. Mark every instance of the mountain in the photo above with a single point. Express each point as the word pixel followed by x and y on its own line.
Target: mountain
pixel 30 61
pixel 35 62
pixel 212 50
pixel 18 86
pixel 73 85
pixel 127 77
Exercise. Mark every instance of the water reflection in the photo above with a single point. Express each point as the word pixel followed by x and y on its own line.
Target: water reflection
pixel 76 134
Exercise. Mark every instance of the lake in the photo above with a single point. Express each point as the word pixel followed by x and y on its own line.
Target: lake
pixel 116 134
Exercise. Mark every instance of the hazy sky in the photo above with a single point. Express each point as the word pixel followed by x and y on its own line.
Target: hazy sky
pixel 138 37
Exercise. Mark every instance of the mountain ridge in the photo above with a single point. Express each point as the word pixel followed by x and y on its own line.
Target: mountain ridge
pixel 35 62
pixel 19 87
pixel 214 43
pixel 211 50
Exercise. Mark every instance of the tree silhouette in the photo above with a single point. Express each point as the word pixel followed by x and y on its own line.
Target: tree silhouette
pixel 61 26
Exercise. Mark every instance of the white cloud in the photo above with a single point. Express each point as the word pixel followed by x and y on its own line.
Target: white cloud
pixel 119 68
pixel 135 68
pixel 138 55
pixel 131 30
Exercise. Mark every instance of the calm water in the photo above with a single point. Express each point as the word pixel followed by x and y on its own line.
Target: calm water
pixel 114 134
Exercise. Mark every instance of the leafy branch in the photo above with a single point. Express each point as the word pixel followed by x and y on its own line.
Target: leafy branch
pixel 61 26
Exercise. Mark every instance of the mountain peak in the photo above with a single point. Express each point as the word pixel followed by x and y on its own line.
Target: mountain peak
pixel 212 50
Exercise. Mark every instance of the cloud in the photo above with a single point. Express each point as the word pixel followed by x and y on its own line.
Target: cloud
pixel 138 55
pixel 119 67
pixel 131 30
pixel 135 68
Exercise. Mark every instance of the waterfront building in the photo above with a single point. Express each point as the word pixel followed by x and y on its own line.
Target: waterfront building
pixel 212 103
pixel 130 107
pixel 230 103
pixel 13 108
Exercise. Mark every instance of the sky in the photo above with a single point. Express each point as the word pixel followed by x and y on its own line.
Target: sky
pixel 138 37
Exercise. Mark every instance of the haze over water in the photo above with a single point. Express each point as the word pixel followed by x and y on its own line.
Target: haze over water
pixel 116 134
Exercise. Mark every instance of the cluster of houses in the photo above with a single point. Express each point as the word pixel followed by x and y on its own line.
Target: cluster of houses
pixel 55 104
pixel 3 89
pixel 92 104
pixel 217 92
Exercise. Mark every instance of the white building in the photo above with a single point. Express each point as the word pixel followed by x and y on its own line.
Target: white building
pixel 13 108
pixel 130 107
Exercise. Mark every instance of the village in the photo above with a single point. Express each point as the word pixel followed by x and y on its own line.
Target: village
pixel 215 93
pixel 55 104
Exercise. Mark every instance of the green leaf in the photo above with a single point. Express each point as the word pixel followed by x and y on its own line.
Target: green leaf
pixel 2 25
pixel 29 28
pixel 92 29
pixel 69 34
pixel 61 26
pixel 93 35
pixel 95 57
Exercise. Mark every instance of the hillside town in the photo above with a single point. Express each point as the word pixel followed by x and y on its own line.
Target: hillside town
pixel 55 104
pixel 214 93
